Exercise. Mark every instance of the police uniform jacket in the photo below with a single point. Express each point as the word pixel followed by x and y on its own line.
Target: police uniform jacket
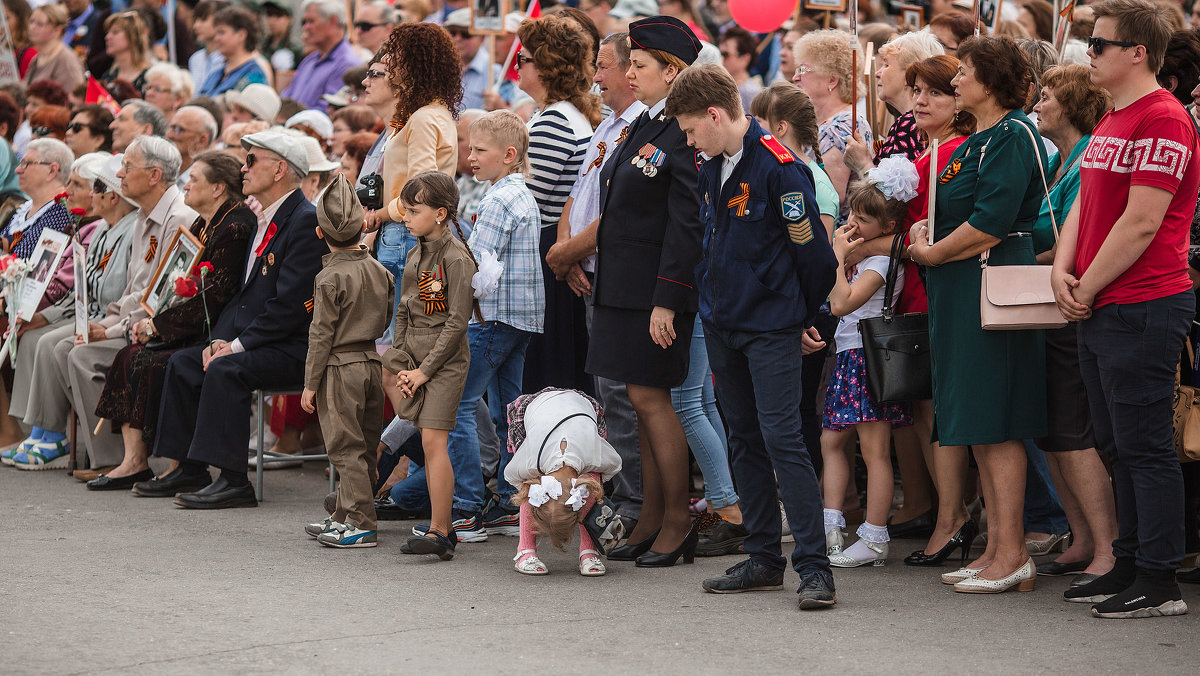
pixel 767 262
pixel 274 304
pixel 649 236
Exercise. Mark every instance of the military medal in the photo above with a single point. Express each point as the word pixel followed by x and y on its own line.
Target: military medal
pixel 271 259
pixel 436 286
pixel 649 159
pixel 264 271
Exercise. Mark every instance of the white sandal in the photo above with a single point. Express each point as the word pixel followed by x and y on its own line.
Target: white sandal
pixel 531 565
pixel 590 564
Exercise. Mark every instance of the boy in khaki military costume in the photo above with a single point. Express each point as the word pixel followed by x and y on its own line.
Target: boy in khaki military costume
pixel 343 376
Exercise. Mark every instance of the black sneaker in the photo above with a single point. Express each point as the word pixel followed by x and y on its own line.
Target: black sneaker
pixel 816 590
pixel 1107 585
pixel 1154 593
pixel 719 537
pixel 745 576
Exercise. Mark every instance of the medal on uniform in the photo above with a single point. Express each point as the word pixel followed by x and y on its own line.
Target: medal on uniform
pixel 649 159
pixel 271 259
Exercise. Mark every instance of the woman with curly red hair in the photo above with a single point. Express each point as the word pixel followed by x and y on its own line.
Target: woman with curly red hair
pixel 555 66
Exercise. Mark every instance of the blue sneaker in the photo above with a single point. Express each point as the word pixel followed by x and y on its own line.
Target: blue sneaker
pixel 345 536
pixel 44 455
pixel 467 526
pixel 502 521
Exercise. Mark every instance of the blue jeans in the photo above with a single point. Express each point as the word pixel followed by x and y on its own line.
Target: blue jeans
pixel 1128 356
pixel 391 249
pixel 696 405
pixel 758 383
pixel 497 356
pixel 1043 511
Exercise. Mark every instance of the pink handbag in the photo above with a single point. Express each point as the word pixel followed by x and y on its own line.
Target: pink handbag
pixel 1018 297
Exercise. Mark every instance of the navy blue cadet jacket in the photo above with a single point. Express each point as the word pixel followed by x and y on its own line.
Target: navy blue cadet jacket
pixel 767 263
pixel 274 306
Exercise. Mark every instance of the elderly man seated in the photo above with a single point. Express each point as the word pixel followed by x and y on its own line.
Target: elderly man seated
pixel 260 339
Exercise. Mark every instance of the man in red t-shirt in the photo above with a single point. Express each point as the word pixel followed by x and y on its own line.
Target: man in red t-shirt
pixel 1121 272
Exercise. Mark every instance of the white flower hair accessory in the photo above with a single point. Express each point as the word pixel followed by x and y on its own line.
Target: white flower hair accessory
pixel 579 495
pixel 896 177
pixel 549 489
pixel 487 280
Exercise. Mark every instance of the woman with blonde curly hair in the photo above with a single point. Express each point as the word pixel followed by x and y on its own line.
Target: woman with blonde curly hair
pixel 824 70
pixel 555 65
pixel 127 41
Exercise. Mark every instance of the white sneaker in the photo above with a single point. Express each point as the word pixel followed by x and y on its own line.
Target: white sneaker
pixel 315 529
pixel 345 536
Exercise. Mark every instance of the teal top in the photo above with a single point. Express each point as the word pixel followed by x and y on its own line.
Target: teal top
pixel 827 197
pixel 9 181
pixel 1062 195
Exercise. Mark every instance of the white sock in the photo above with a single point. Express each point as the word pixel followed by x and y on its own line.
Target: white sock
pixel 876 535
pixel 834 520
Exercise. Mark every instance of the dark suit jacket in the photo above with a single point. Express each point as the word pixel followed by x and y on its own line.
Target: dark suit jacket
pixel 648 242
pixel 274 307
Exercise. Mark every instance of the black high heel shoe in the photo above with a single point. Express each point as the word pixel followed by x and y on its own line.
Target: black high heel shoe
pixel 962 538
pixel 630 552
pixel 686 549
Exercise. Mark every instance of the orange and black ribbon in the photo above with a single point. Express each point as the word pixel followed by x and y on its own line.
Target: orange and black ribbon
pixel 152 250
pixel 950 172
pixel 104 261
pixel 599 158
pixel 622 136
pixel 741 200
pixel 308 306
pixel 434 300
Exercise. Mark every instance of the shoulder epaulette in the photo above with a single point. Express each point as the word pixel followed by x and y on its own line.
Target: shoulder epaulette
pixel 777 149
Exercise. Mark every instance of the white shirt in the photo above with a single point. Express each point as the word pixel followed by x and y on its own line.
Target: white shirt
pixel 585 208
pixel 585 450
pixel 847 337
pixel 730 163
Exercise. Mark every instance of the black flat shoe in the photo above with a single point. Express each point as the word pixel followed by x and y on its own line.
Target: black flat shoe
pixel 218 495
pixel 921 527
pixel 434 543
pixel 962 538
pixel 630 552
pixel 171 484
pixel 1054 568
pixel 686 550
pixel 123 483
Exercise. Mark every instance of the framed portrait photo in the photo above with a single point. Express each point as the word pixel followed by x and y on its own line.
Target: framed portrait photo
pixel 826 5
pixel 988 13
pixel 46 256
pixel 487 16
pixel 182 255
pixel 913 15
pixel 79 254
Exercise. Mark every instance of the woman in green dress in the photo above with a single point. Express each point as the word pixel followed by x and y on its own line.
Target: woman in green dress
pixel 989 387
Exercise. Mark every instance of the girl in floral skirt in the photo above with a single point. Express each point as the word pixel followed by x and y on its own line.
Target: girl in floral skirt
pixel 876 206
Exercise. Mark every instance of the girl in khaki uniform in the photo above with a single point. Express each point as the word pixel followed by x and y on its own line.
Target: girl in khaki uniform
pixel 430 355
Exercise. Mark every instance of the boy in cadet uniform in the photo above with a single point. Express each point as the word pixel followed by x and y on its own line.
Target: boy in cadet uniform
pixel 767 267
pixel 343 380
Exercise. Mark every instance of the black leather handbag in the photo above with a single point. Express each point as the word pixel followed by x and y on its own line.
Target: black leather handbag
pixel 896 347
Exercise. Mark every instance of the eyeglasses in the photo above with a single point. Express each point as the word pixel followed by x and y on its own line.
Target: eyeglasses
pixel 252 159
pixel 459 33
pixel 42 131
pixel 373 74
pixel 522 60
pixel 1098 44
pixel 724 55
pixel 98 187
pixel 177 130
pixel 76 127
pixel 365 26
pixel 803 69
pixel 126 167
pixel 24 164
pixel 158 90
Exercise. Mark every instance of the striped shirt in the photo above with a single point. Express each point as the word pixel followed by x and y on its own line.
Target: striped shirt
pixel 507 225
pixel 558 140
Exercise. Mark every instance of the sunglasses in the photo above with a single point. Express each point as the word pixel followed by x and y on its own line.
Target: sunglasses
pixel 42 131
pixel 76 127
pixel 522 60
pixel 373 74
pixel 1098 44
pixel 98 187
pixel 365 26
pixel 458 33
pixel 252 159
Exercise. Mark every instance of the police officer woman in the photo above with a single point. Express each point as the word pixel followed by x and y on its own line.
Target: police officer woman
pixel 648 244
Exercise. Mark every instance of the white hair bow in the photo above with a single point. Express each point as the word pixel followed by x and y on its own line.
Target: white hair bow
pixel 579 494
pixel 549 489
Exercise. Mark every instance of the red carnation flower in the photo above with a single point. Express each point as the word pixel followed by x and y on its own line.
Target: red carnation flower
pixel 185 287
pixel 202 269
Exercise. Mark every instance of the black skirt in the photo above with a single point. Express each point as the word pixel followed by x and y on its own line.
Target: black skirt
pixel 620 348
pixel 1067 411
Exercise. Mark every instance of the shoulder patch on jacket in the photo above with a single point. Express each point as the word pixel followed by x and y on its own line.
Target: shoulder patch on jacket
pixel 777 149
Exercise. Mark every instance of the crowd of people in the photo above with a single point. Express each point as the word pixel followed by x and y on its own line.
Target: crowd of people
pixel 518 281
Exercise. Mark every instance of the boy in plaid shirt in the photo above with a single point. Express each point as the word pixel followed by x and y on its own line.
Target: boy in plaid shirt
pixel 507 227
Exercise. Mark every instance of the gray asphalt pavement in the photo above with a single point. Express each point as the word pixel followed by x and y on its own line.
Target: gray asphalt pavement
pixel 109 583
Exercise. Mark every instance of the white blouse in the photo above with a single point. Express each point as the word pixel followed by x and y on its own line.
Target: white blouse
pixel 586 451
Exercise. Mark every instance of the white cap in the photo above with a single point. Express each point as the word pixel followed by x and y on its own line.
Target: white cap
pixel 460 18
pixel 628 9
pixel 104 169
pixel 260 99
pixel 512 21
pixel 315 120
pixel 317 161
pixel 281 144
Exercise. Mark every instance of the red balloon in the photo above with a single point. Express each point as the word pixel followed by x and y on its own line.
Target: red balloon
pixel 761 16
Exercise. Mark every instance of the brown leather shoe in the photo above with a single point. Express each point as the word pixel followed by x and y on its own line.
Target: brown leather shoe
pixel 86 475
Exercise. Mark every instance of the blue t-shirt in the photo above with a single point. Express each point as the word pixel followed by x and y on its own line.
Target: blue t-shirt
pixel 218 82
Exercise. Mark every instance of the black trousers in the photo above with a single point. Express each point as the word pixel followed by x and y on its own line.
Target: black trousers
pixel 205 415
